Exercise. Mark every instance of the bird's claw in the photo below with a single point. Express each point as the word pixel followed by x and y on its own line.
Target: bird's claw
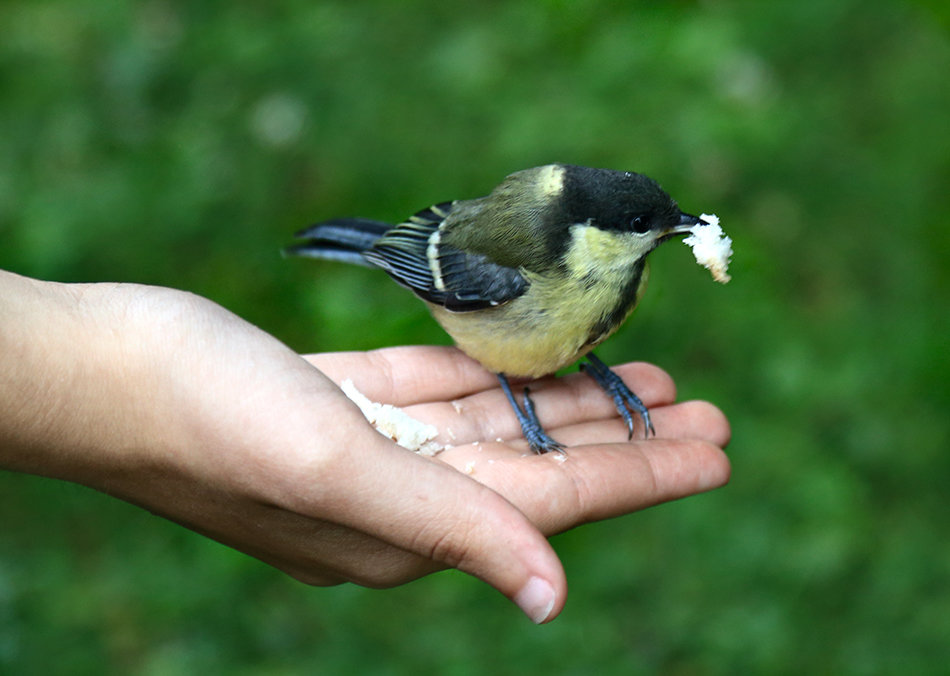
pixel 623 397
pixel 531 427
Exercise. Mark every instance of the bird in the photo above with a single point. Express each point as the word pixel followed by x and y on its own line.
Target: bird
pixel 528 279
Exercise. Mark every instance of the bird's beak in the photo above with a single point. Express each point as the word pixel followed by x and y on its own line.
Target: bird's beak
pixel 685 224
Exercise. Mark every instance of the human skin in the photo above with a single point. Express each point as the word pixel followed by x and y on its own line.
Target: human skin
pixel 167 400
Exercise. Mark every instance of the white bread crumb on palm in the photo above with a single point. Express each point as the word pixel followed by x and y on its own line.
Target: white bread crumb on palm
pixel 395 423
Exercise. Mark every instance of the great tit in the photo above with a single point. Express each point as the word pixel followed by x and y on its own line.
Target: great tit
pixel 528 279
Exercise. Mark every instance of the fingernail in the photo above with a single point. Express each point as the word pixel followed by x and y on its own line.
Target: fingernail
pixel 536 599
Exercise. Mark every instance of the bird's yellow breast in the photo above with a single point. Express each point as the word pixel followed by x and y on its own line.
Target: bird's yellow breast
pixel 562 315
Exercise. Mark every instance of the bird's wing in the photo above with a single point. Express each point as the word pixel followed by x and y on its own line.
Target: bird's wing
pixel 414 255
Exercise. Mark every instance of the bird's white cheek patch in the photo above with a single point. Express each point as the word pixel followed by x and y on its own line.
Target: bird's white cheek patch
pixel 595 249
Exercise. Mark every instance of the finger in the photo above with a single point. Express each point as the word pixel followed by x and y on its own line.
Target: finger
pixel 684 420
pixel 693 420
pixel 560 402
pixel 431 510
pixel 407 375
pixel 590 483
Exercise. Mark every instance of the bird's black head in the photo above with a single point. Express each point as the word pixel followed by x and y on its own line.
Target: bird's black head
pixel 537 217
pixel 619 201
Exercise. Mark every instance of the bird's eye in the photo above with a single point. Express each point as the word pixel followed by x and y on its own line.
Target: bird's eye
pixel 640 224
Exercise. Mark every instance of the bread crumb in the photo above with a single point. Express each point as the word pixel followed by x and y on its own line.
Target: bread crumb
pixel 457 405
pixel 394 423
pixel 470 467
pixel 711 247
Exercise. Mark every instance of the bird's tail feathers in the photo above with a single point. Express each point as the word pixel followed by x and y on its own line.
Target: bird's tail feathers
pixel 342 239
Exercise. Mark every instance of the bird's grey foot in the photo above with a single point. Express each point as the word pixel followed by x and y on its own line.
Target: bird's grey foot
pixel 531 428
pixel 623 396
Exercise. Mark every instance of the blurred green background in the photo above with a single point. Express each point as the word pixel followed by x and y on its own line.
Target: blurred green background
pixel 181 144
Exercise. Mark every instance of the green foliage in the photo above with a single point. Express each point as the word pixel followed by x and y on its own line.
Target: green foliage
pixel 183 143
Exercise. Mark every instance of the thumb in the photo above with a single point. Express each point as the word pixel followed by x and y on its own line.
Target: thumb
pixel 436 512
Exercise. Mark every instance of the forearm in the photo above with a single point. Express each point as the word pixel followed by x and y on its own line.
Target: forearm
pixel 60 371
pixel 128 388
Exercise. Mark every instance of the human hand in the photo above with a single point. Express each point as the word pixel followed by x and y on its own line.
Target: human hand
pixel 175 404
pixel 601 475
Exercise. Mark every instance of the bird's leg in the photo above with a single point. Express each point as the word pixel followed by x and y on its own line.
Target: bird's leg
pixel 531 428
pixel 623 396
